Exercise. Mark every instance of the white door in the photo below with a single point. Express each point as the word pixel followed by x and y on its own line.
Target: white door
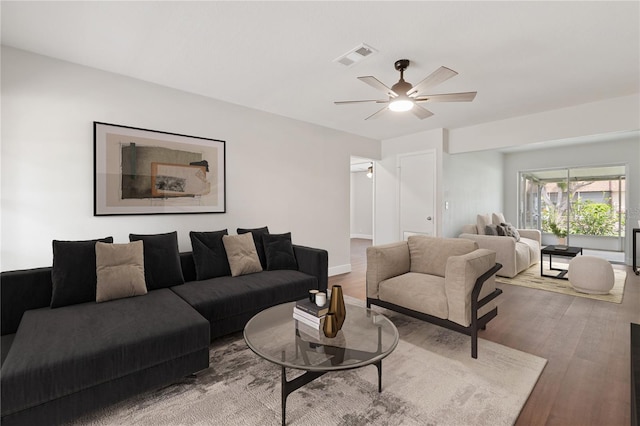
pixel 417 180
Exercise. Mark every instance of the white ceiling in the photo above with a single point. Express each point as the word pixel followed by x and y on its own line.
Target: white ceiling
pixel 521 57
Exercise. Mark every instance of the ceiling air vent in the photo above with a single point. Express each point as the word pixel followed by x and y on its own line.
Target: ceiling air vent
pixel 356 54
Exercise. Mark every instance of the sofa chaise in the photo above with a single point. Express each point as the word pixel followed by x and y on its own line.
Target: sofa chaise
pixel 60 361
pixel 446 281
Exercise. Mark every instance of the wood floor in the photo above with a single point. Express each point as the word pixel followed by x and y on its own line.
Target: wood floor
pixel 586 342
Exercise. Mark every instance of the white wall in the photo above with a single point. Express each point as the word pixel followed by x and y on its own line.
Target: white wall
pixel 624 151
pixel 289 175
pixel 361 205
pixel 472 185
pixel 596 118
pixel 387 227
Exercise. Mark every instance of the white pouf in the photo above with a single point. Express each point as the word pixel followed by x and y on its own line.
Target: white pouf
pixel 591 274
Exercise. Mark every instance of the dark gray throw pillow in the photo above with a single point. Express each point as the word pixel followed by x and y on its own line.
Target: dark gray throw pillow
pixel 161 260
pixel 511 231
pixel 257 233
pixel 491 230
pixel 209 254
pixel 279 252
pixel 74 272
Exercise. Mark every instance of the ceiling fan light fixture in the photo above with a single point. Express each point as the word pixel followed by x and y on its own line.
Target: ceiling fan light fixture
pixel 401 105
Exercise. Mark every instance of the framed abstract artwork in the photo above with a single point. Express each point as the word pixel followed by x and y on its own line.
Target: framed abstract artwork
pixel 140 171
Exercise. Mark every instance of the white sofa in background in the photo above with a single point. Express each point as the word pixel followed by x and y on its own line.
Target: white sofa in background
pixel 515 256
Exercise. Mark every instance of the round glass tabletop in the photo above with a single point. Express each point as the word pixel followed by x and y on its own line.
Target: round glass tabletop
pixel 366 337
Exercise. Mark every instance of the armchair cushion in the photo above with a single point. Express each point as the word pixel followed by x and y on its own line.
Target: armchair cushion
pixel 429 254
pixel 419 292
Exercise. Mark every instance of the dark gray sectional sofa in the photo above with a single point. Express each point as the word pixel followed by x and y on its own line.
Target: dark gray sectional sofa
pixel 58 364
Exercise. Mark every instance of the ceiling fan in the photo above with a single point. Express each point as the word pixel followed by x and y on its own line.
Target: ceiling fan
pixel 405 97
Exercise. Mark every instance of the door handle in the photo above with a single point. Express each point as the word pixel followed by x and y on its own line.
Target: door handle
pixel 428 217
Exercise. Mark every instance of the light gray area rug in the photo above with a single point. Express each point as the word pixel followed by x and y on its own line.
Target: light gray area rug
pixel 531 278
pixel 430 379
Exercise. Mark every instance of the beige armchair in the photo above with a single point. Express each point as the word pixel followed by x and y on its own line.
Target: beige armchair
pixel 447 281
pixel 515 256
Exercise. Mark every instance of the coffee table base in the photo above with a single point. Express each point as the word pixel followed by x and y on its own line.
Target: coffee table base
pixel 562 272
pixel 290 386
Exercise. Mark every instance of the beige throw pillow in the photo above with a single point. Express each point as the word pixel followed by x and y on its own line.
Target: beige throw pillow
pixel 119 271
pixel 482 220
pixel 497 218
pixel 242 254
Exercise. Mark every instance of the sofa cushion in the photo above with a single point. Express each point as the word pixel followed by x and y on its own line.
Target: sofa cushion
pixel 242 255
pixel 209 254
pixel 257 234
pixel 57 352
pixel 222 298
pixel 161 259
pixel 74 272
pixel 419 292
pixel 429 254
pixel 279 252
pixel 119 270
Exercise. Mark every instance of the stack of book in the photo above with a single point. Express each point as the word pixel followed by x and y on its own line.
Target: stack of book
pixel 309 314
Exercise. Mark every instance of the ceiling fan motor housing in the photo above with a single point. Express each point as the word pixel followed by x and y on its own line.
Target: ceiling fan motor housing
pixel 401 64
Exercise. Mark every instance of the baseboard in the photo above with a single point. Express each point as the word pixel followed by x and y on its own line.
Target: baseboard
pixel 362 236
pixel 341 269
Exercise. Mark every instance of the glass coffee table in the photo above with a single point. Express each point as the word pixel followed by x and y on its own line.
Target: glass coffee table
pixel 366 338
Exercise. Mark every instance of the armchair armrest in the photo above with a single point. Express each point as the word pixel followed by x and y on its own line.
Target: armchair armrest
pixel 384 262
pixel 460 278
pixel 314 262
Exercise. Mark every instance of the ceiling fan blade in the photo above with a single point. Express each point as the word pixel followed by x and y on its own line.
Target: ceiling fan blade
pixel 433 79
pixel 448 97
pixel 379 101
pixel 421 112
pixel 377 113
pixel 375 83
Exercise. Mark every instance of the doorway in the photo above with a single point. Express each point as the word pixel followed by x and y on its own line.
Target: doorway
pixel 361 198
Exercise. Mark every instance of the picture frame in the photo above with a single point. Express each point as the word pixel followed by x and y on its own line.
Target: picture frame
pixel 141 171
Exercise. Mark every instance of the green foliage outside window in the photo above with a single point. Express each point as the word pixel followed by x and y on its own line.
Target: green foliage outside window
pixel 591 218
pixel 587 218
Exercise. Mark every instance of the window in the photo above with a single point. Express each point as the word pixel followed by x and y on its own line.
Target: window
pixel 587 204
